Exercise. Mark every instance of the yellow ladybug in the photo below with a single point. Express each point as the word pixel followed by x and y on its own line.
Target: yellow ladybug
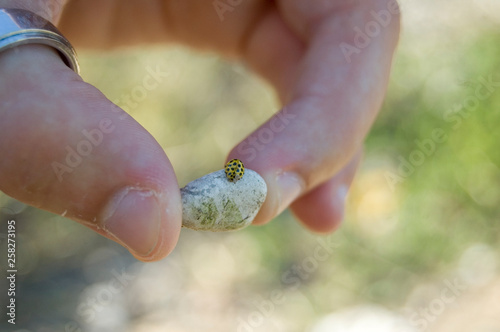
pixel 234 170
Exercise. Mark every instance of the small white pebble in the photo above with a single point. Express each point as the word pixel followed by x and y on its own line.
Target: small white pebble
pixel 213 203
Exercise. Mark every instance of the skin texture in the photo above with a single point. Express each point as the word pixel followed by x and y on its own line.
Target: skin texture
pixel 125 189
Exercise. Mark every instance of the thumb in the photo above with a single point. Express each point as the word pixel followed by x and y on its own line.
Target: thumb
pixel 69 150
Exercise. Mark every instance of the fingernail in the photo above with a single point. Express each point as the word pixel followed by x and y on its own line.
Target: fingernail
pixel 342 194
pixel 133 217
pixel 340 202
pixel 290 186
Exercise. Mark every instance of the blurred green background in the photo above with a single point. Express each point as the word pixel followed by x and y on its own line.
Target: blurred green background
pixel 418 251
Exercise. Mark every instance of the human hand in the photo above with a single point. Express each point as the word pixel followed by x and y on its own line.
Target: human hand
pixel 330 103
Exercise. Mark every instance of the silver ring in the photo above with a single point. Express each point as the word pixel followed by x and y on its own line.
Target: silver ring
pixel 21 27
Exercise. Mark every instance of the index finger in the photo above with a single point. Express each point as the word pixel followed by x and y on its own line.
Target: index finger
pixel 331 95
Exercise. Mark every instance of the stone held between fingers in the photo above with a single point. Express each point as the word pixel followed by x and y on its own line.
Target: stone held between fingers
pixel 213 203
